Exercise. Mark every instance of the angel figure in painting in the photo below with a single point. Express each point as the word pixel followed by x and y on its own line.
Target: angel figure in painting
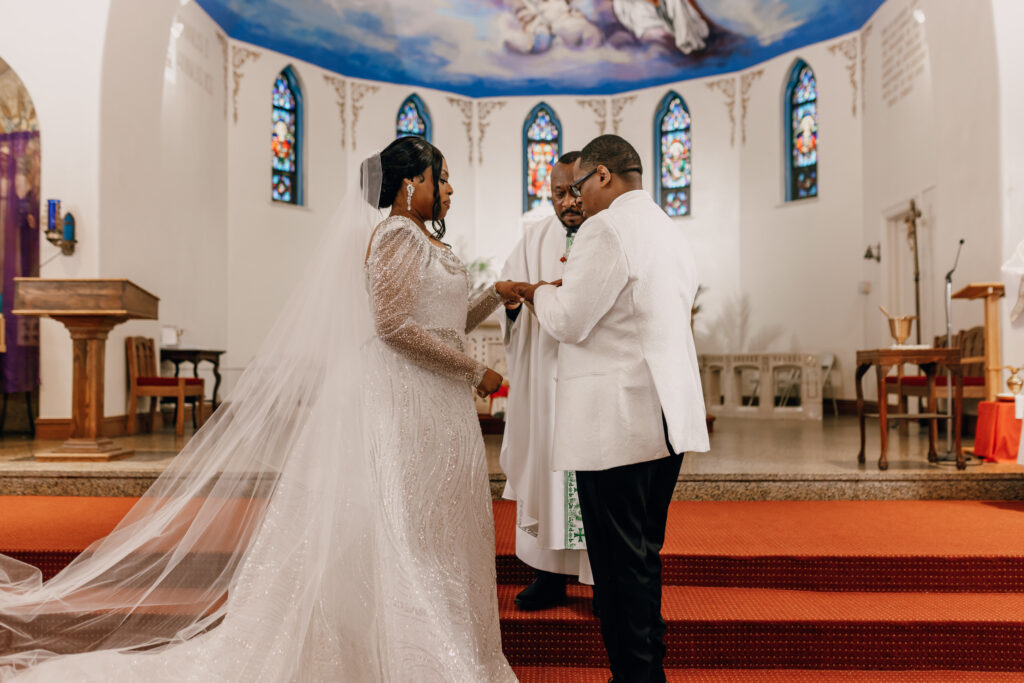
pixel 679 23
pixel 537 25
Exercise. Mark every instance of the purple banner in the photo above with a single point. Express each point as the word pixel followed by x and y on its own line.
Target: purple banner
pixel 19 255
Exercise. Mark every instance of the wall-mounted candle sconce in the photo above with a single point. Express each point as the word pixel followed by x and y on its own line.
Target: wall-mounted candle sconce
pixel 60 229
pixel 874 252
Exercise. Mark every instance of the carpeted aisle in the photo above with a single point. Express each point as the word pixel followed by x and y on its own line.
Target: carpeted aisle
pixel 755 591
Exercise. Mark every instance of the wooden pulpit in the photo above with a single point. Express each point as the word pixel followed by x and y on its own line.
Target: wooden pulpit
pixel 991 292
pixel 89 309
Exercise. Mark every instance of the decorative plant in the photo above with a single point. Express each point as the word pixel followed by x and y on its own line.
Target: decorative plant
pixel 695 309
pixel 481 274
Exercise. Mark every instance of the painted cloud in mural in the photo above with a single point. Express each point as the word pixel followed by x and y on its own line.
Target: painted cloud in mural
pixel 504 47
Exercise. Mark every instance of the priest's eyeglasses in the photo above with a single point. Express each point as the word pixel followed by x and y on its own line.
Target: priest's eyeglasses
pixel 576 188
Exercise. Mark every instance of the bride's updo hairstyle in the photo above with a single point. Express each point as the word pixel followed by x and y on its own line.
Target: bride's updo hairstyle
pixel 409 157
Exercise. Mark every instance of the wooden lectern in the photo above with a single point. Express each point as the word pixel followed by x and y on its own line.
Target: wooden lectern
pixel 89 309
pixel 991 292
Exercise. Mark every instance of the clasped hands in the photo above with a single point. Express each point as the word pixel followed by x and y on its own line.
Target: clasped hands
pixel 514 294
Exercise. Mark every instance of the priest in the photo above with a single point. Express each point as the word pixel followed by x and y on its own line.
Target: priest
pixel 549 528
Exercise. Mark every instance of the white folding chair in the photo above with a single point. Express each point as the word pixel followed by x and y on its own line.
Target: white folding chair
pixel 828 361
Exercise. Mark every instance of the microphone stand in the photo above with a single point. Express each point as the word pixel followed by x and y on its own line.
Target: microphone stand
pixel 949 455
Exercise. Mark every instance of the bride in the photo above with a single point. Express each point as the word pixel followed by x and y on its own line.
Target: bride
pixel 332 521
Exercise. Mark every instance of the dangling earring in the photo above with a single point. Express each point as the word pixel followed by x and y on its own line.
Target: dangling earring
pixel 409 189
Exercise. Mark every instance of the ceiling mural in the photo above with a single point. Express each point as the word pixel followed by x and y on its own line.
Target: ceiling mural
pixel 484 48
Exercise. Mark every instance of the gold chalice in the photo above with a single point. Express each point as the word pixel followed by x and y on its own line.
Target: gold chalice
pixel 899 327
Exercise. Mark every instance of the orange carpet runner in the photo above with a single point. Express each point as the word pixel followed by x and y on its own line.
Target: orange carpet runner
pixel 754 591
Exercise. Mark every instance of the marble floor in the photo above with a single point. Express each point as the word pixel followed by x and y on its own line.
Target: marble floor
pixel 748 458
pixel 778 447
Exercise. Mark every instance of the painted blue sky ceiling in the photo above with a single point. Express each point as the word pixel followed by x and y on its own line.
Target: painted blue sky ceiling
pixel 484 48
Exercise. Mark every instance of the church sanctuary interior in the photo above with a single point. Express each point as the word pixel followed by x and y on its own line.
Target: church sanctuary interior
pixel 849 173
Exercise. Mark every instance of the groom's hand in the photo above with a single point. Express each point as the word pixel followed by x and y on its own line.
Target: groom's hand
pixel 526 290
pixel 508 292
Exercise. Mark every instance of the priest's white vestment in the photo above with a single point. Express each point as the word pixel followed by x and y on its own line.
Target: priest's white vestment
pixel 549 528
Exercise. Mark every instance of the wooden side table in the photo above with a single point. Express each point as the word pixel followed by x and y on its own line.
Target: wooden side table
pixel 178 355
pixel 930 360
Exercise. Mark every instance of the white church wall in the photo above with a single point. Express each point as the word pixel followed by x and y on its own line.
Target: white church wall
pixel 923 110
pixel 56 48
pixel 800 260
pixel 1008 17
pixel 270 242
pixel 965 83
pixel 163 171
pixel 193 185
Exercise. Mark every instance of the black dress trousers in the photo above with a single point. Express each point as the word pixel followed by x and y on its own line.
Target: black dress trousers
pixel 624 512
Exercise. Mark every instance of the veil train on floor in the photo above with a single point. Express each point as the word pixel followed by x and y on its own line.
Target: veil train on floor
pixel 253 545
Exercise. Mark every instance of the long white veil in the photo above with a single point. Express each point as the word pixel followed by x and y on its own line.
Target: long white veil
pixel 251 557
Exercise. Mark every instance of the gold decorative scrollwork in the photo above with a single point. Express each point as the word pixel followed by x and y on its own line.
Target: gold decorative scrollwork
pixel 339 85
pixel 727 86
pixel 239 56
pixel 848 48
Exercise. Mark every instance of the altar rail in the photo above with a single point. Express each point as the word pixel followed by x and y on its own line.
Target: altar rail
pixel 763 385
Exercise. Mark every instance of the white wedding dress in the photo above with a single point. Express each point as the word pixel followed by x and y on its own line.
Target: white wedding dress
pixel 439 617
pixel 331 522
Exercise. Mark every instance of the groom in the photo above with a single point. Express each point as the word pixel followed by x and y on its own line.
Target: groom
pixel 628 401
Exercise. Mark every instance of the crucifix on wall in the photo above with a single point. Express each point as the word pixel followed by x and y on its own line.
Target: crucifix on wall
pixel 910 219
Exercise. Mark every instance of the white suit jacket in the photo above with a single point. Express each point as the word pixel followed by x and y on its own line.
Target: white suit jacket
pixel 622 316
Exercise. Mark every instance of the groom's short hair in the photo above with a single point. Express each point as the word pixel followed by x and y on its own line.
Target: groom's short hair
pixel 612 151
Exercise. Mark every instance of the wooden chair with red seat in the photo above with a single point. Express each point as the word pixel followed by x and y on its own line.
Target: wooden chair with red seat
pixel 145 380
pixel 972 348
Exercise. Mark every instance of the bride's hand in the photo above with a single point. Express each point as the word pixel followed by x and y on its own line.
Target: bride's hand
pixel 489 384
pixel 507 290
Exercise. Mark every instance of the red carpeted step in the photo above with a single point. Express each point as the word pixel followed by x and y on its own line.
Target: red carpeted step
pixel 933 545
pixel 810 545
pixel 711 627
pixel 536 674
pixel 48 532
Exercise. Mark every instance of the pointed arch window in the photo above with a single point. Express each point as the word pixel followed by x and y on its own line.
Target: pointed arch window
pixel 672 148
pixel 413 119
pixel 542 145
pixel 801 133
pixel 286 139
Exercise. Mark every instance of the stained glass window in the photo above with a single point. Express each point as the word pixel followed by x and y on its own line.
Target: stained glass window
pixel 542 145
pixel 286 139
pixel 672 153
pixel 413 119
pixel 802 133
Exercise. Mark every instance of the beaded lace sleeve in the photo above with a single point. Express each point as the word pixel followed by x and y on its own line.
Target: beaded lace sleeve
pixel 481 306
pixel 395 268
